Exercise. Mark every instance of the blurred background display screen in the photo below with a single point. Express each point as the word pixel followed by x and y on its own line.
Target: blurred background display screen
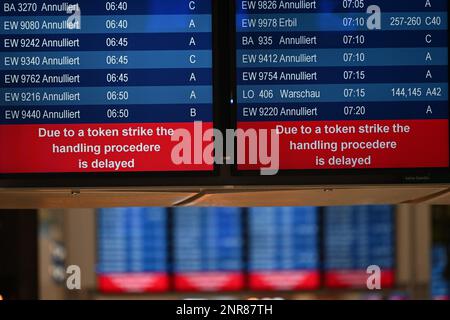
pixel 352 84
pixel 208 249
pixel 356 238
pixel 284 249
pixel 132 250
pixel 440 285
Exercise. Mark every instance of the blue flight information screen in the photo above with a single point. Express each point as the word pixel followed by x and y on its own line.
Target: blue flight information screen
pixel 356 238
pixel 132 250
pixel 101 86
pixel 208 249
pixel 283 248
pixel 440 284
pixel 345 84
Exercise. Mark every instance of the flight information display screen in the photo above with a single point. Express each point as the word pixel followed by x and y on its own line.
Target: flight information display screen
pixel 101 86
pixel 348 84
pixel 132 250
pixel 283 248
pixel 208 249
pixel 354 239
pixel 440 285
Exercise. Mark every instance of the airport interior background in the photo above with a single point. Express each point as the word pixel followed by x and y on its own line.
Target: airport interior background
pixel 226 253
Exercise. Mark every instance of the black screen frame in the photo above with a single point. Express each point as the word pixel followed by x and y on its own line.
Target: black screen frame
pixel 225 117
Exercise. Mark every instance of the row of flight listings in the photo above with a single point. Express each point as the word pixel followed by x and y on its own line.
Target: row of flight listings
pixel 233 249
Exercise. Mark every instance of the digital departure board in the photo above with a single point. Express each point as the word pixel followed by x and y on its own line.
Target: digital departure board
pixel 345 84
pixel 283 249
pixel 101 86
pixel 208 249
pixel 132 250
pixel 356 238
pixel 440 285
